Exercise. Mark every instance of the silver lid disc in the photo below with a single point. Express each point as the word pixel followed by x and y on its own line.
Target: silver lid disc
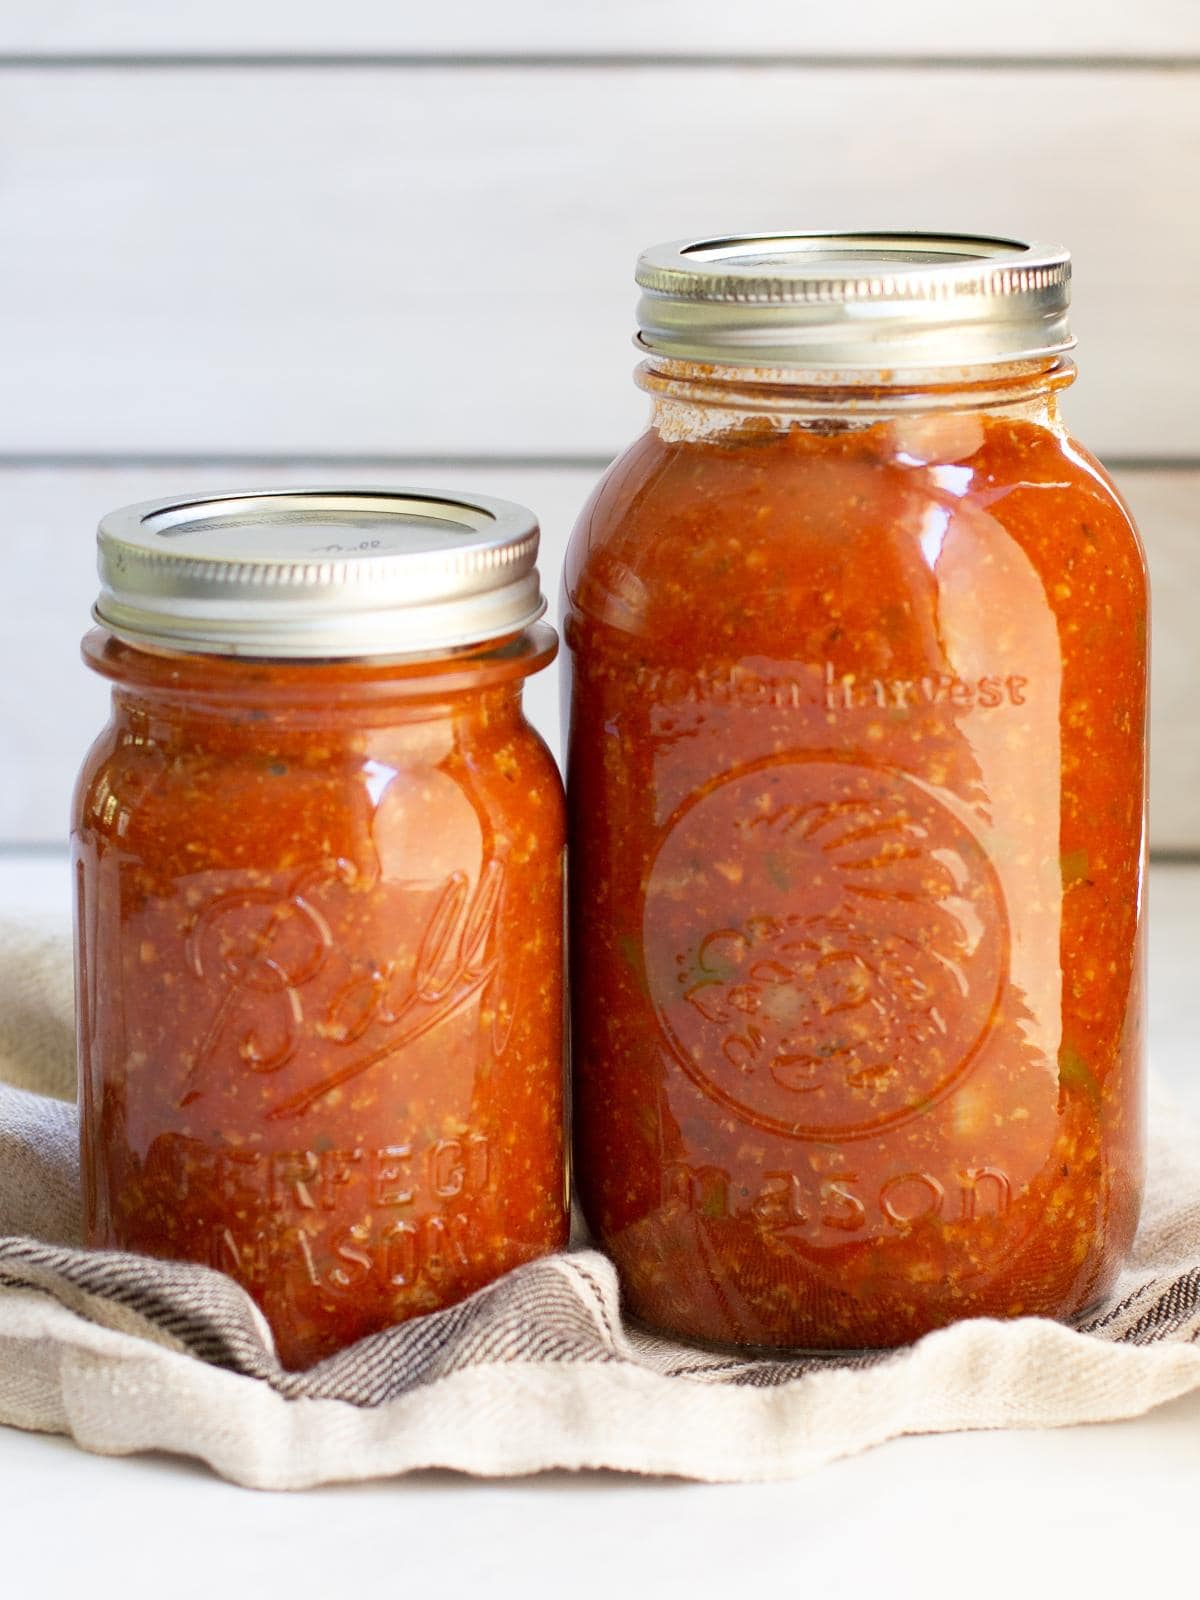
pixel 319 572
pixel 854 301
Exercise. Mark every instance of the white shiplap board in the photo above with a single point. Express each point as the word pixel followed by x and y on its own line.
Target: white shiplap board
pixel 50 707
pixel 578 27
pixel 435 261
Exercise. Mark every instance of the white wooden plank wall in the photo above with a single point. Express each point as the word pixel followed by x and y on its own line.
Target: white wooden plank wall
pixel 434 261
pixel 250 243
pixel 752 29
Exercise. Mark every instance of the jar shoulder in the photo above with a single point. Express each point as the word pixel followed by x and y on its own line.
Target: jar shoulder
pixel 1121 529
pixel 161 793
pixel 868 509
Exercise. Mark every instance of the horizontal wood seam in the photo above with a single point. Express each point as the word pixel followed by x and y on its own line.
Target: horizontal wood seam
pixel 68 461
pixel 608 61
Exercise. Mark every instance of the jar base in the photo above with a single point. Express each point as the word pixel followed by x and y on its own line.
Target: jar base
pixel 835 1355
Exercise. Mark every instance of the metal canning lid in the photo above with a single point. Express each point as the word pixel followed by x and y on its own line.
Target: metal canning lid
pixel 319 572
pixel 874 301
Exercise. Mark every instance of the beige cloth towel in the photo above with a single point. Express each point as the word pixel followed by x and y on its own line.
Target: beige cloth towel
pixel 538 1371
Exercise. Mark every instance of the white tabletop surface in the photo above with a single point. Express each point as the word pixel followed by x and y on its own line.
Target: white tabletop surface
pixel 1102 1510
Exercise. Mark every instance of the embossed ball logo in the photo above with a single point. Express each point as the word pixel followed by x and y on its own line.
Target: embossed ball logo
pixel 825 945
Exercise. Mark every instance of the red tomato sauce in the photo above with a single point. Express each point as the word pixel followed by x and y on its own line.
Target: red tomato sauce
pixel 320 980
pixel 857 793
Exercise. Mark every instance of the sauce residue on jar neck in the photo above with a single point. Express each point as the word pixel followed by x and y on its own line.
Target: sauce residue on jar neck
pixel 697 401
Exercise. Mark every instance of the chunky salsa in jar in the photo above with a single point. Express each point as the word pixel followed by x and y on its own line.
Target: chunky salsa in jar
pixel 856 785
pixel 318 862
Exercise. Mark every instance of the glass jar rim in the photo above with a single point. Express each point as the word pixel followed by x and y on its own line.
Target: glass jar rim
pixel 865 395
pixel 199 677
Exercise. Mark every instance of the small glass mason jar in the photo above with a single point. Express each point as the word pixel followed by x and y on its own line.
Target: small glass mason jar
pixel 318 862
pixel 856 788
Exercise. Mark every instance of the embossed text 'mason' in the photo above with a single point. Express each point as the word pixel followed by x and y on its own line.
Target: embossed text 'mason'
pixel 839 1201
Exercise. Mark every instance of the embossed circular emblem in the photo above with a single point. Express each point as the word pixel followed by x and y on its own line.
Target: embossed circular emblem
pixel 825 945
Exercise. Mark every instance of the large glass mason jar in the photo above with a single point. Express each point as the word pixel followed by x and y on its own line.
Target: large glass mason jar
pixel 857 791
pixel 318 863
